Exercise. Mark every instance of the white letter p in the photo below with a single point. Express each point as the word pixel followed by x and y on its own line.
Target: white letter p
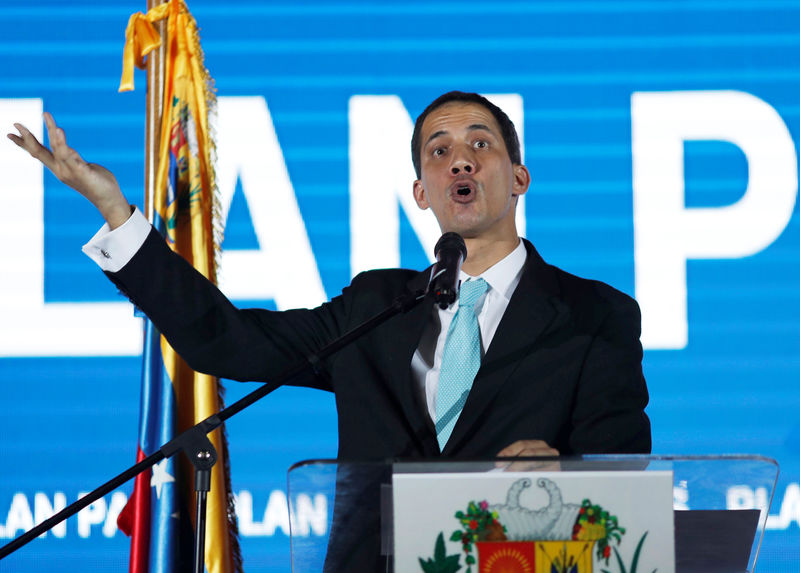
pixel 666 233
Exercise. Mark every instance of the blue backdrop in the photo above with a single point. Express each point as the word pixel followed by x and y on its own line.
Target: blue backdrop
pixel 314 97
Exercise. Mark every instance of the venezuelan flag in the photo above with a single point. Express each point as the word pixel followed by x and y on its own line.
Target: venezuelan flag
pixel 174 397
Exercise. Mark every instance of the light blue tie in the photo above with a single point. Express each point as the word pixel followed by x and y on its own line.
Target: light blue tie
pixel 461 360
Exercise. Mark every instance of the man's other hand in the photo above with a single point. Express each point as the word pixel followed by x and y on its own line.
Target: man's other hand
pixel 528 448
pixel 94 182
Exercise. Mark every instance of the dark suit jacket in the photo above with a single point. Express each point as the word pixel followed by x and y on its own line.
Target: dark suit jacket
pixel 564 365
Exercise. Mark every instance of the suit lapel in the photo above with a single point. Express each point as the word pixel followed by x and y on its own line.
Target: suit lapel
pixel 532 308
pixel 406 335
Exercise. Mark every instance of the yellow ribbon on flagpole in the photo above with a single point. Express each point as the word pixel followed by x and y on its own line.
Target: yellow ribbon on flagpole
pixel 141 38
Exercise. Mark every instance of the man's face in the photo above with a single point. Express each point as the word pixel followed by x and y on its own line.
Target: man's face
pixel 467 177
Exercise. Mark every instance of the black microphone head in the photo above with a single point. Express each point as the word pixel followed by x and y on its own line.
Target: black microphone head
pixel 450 252
pixel 451 240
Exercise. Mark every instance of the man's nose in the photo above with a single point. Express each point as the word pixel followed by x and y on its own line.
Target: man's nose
pixel 463 162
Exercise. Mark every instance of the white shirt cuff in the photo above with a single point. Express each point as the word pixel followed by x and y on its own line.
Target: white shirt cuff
pixel 112 250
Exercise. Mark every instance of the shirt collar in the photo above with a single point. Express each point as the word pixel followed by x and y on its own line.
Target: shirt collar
pixel 504 275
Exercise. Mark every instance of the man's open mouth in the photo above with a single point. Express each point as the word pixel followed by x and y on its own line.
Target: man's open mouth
pixel 462 189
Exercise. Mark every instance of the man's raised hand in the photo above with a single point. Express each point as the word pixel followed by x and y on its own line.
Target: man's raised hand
pixel 94 182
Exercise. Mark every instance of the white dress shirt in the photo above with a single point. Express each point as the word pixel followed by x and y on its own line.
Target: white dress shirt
pixel 503 278
pixel 112 250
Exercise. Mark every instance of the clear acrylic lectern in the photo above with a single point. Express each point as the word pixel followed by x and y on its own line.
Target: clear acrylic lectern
pixel 343 514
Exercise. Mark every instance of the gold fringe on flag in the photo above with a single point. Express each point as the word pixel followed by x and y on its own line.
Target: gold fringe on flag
pixel 187 203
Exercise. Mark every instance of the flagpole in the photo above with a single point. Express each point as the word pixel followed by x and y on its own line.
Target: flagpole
pixel 140 532
pixel 153 112
pixel 199 449
pixel 223 551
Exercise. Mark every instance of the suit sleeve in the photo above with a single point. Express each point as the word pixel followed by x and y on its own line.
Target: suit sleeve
pixel 210 333
pixel 608 416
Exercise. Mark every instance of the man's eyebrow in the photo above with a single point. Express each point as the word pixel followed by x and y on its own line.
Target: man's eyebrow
pixel 473 127
pixel 434 135
pixel 482 126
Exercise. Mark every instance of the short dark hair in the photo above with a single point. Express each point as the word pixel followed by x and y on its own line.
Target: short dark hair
pixel 507 130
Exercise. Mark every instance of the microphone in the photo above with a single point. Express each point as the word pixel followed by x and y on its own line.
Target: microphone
pixel 450 252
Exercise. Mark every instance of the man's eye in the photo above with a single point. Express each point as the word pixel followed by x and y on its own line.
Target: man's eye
pixel 438 152
pixel 481 144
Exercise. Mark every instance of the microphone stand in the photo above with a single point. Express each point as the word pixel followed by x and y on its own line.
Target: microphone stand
pixel 195 444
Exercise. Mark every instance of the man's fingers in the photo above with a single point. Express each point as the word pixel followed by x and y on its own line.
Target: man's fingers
pixel 16 139
pixel 62 160
pixel 67 158
pixel 60 151
pixel 27 141
pixel 58 143
pixel 538 452
pixel 50 125
pixel 525 448
pixel 58 139
pixel 94 182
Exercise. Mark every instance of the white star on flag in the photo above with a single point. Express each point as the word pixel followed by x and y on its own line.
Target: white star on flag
pixel 160 477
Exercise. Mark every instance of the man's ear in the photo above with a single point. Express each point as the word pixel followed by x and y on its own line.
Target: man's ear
pixel 419 195
pixel 522 180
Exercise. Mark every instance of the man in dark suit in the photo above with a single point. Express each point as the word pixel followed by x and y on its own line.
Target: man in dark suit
pixel 560 371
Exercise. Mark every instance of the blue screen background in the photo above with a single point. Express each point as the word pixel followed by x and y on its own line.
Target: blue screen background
pixel 71 422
